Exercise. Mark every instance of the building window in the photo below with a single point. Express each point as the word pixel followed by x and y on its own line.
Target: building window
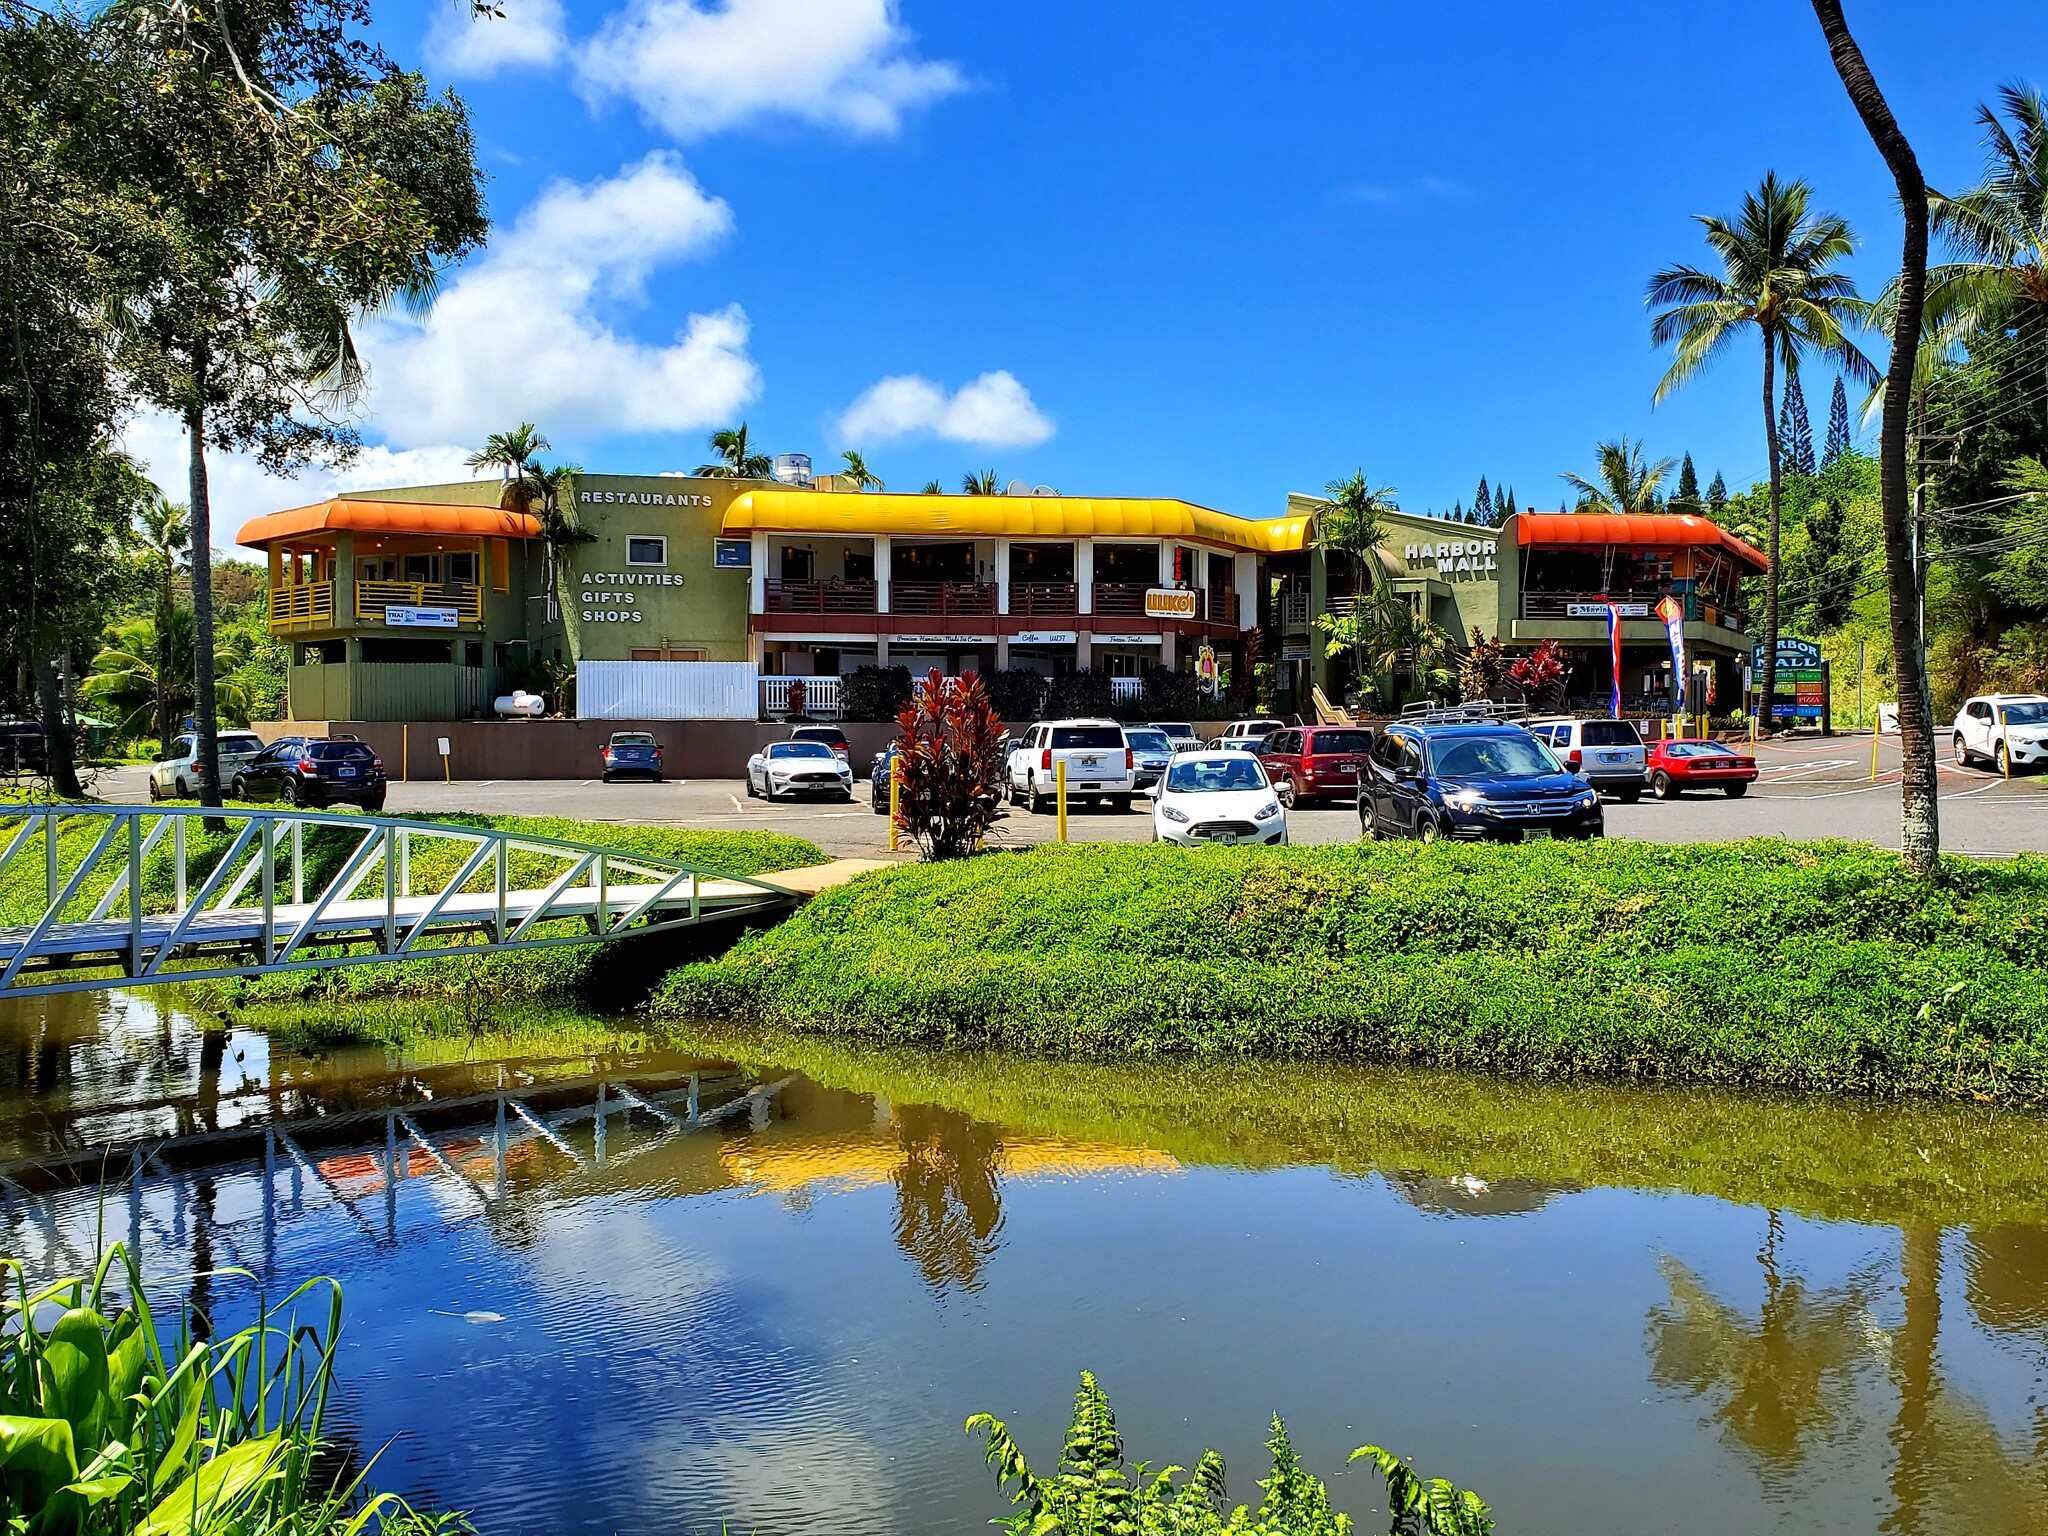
pixel 462 565
pixel 646 551
pixel 473 653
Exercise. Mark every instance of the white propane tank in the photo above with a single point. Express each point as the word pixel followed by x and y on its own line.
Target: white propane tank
pixel 519 704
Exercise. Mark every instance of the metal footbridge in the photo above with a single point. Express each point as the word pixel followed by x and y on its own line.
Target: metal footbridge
pixel 123 896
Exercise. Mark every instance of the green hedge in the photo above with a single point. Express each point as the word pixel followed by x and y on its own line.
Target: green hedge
pixel 1760 963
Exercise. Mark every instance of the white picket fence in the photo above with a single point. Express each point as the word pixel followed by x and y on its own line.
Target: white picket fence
pixel 1126 690
pixel 667 690
pixel 821 696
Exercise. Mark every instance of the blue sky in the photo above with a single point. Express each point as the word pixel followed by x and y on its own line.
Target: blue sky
pixel 1200 250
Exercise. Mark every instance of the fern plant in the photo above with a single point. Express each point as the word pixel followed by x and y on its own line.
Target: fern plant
pixel 1096 1493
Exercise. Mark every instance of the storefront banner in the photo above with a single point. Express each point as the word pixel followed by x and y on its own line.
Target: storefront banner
pixel 1043 637
pixel 1672 612
pixel 1169 603
pixel 421 618
pixel 1599 610
pixel 1614 655
pixel 1125 639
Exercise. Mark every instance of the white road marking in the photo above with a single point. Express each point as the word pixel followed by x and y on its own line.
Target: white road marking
pixel 735 799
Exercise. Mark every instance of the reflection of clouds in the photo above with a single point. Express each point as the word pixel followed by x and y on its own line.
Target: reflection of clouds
pixel 788 1476
pixel 1467 1194
pixel 611 1252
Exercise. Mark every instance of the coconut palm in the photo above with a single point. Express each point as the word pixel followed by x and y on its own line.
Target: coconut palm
pixel 1998 231
pixel 1348 523
pixel 983 484
pixel 1625 482
pixel 545 493
pixel 933 488
pixel 165 528
pixel 858 475
pixel 1778 279
pixel 510 452
pixel 144 673
pixel 736 457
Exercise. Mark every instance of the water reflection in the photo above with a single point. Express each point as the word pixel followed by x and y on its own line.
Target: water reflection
pixel 1739 1318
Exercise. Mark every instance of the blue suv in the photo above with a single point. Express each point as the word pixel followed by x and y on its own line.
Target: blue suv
pixel 1471 780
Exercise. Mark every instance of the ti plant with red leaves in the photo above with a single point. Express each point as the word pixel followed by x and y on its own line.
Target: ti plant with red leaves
pixel 949 766
pixel 1540 674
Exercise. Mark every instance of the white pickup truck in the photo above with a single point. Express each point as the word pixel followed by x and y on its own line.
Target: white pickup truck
pixel 1100 764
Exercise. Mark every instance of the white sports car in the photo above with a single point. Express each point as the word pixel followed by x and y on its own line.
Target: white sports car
pixel 798 768
pixel 1217 797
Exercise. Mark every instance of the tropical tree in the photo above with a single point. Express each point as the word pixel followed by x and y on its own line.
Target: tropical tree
pixel 736 457
pixel 983 484
pixel 1921 831
pixel 1348 524
pixel 858 474
pixel 510 452
pixel 166 528
pixel 546 494
pixel 1626 480
pixel 1777 280
pixel 933 488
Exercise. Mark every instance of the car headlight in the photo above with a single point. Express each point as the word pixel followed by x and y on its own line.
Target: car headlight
pixel 1267 811
pixel 1587 802
pixel 1173 813
pixel 1465 799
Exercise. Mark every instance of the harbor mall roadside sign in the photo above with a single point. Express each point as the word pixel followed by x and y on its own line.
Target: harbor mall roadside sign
pixel 1457 559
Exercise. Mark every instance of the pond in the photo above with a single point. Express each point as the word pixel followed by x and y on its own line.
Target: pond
pixel 1607 1309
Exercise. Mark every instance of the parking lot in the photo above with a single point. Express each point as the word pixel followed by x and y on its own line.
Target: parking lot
pixel 1807 789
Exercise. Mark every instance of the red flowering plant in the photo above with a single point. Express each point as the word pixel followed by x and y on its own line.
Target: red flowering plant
pixel 948 766
pixel 1540 675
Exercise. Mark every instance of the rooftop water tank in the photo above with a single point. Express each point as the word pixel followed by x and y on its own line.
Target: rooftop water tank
pixel 793 468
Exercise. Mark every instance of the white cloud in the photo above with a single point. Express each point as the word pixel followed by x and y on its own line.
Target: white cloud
pixel 528 35
pixel 694 68
pixel 516 336
pixel 1421 189
pixel 238 488
pixel 994 411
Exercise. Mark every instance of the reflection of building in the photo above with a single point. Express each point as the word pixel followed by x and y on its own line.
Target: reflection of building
pixel 2008 1278
pixel 1468 1195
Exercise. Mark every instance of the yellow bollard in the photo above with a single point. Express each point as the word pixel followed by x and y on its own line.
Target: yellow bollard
pixel 404 753
pixel 895 797
pixel 1876 730
pixel 1059 791
pixel 2005 740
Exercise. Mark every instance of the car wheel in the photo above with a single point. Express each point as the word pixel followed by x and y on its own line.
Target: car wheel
pixel 1734 791
pixel 845 795
pixel 1661 782
pixel 1121 804
pixel 374 805
pixel 1426 830
pixel 660 780
pixel 155 794
pixel 239 790
pixel 604 778
pixel 1628 796
pixel 1286 793
pixel 184 790
pixel 1040 804
pixel 1962 752
pixel 2002 761
pixel 1368 830
pixel 291 795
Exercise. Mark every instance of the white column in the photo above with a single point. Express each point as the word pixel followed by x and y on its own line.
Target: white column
pixel 1002 653
pixel 1166 638
pixel 1166 549
pixel 1002 586
pixel 1084 578
pixel 881 573
pixel 758 596
pixel 1084 650
pixel 881 650
pixel 1246 579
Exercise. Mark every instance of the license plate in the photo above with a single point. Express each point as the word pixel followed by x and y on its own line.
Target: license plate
pixel 1089 762
pixel 1091 786
pixel 1613 757
pixel 1536 835
pixel 344 773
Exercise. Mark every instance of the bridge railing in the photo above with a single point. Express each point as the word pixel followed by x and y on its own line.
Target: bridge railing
pixel 125 891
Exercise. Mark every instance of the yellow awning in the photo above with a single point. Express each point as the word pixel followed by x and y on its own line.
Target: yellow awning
pixel 1005 517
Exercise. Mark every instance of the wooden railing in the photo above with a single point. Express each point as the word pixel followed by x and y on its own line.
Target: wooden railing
pixel 373 597
pixel 1044 597
pixel 308 605
pixel 820 597
pixel 941 599
pixel 1114 597
pixel 1698 608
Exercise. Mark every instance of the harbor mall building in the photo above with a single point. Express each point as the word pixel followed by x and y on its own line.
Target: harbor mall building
pixel 676 597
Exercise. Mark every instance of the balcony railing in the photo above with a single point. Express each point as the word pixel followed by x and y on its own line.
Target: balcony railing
pixel 308 605
pixel 820 597
pixel 942 599
pixel 1699 609
pixel 1220 607
pixel 1035 598
pixel 373 597
pixel 1293 612
pixel 1121 597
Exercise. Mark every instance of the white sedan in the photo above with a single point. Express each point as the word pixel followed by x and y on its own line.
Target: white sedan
pixel 798 768
pixel 1217 797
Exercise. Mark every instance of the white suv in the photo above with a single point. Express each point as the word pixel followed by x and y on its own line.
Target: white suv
pixel 177 776
pixel 1100 764
pixel 2007 730
pixel 1607 754
pixel 1246 735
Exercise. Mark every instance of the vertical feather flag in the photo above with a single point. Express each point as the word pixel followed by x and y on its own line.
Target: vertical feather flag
pixel 1614 651
pixel 1672 612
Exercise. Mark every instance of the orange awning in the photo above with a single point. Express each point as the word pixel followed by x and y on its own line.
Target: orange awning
pixel 1631 530
pixel 430 517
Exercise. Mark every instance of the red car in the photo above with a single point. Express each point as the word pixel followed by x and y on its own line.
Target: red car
pixel 1314 762
pixel 1676 766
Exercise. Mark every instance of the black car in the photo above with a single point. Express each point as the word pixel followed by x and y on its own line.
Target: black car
pixel 878 779
pixel 1471 780
pixel 632 752
pixel 313 771
pixel 23 747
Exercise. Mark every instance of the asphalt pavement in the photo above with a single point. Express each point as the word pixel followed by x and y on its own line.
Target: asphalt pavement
pixel 1808 788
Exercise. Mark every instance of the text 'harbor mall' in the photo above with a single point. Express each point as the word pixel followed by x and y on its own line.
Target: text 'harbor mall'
pixel 675 597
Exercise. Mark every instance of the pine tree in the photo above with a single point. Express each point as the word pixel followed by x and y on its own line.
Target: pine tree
pixel 1687 497
pixel 1482 503
pixel 1717 495
pixel 1795 429
pixel 1458 513
pixel 1504 507
pixel 1838 426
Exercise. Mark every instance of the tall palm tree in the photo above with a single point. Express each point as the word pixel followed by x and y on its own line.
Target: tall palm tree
pixel 1920 839
pixel 1778 278
pixel 1625 482
pixel 983 484
pixel 510 452
pixel 166 530
pixel 859 475
pixel 1348 522
pixel 736 457
pixel 545 492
